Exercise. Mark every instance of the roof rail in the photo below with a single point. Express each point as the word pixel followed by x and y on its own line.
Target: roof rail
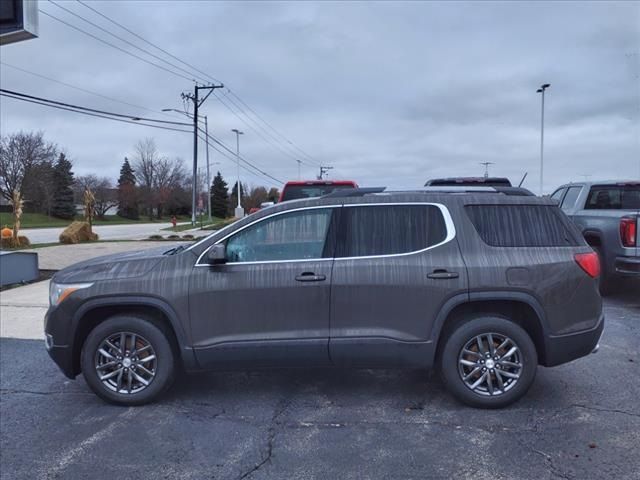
pixel 353 192
pixel 512 191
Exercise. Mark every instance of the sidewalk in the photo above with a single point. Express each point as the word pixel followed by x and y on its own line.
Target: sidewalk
pixel 22 309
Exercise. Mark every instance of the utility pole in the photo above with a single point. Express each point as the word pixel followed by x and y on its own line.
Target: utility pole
pixel 196 104
pixel 299 162
pixel 486 168
pixel 206 133
pixel 541 90
pixel 239 212
pixel 323 171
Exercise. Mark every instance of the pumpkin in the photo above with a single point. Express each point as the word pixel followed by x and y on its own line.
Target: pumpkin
pixel 7 232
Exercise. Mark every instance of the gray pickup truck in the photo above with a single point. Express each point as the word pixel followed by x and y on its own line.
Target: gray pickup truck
pixel 607 213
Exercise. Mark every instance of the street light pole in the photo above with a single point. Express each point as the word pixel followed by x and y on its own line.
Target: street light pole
pixel 541 90
pixel 239 212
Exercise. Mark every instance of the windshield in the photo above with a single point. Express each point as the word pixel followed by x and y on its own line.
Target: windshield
pixel 294 192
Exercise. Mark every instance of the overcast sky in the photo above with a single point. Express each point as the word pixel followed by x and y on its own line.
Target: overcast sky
pixel 386 93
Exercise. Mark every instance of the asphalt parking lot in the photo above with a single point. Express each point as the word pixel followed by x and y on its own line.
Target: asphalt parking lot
pixel 580 420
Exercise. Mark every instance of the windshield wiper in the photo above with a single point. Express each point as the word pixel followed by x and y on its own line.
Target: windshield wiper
pixel 174 250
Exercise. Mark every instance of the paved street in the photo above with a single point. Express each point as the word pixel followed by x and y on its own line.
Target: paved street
pixel 130 231
pixel 579 421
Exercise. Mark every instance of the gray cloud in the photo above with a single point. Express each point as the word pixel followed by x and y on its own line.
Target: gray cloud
pixel 387 93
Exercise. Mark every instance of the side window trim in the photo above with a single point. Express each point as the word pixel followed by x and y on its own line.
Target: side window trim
pixel 268 217
pixel 448 221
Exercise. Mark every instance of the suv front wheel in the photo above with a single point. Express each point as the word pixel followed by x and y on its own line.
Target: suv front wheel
pixel 127 360
pixel 488 362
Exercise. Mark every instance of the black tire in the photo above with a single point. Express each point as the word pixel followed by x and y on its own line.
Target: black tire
pixel 606 282
pixel 466 332
pixel 152 334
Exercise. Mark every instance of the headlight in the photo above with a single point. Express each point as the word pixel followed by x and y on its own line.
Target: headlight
pixel 59 291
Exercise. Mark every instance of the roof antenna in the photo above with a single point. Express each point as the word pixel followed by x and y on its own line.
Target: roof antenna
pixel 523 177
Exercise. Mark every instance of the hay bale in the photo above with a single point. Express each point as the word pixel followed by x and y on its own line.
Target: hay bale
pixel 9 242
pixel 78 232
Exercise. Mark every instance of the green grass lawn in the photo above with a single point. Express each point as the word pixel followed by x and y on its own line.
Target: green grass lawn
pixel 39 220
pixel 205 225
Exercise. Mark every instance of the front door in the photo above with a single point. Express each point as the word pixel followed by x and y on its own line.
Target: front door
pixel 268 306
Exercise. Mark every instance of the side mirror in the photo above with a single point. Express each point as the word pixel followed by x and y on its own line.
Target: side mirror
pixel 217 254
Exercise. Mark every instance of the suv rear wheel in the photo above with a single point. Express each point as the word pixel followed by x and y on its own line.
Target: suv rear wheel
pixel 488 362
pixel 127 360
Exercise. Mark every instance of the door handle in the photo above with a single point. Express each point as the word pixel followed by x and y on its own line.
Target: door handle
pixel 442 274
pixel 310 277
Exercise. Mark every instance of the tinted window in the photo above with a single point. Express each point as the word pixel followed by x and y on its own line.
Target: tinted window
pixel 290 236
pixel 522 225
pixel 614 197
pixel 294 192
pixel 389 229
pixel 570 198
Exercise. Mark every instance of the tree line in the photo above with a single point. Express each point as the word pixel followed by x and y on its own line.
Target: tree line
pixel 150 185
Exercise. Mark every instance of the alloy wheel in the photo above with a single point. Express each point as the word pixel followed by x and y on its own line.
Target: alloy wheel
pixel 125 362
pixel 490 364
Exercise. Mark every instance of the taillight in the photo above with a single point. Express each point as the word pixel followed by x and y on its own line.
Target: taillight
pixel 589 262
pixel 628 230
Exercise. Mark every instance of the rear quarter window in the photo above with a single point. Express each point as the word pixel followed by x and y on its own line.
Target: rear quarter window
pixel 522 226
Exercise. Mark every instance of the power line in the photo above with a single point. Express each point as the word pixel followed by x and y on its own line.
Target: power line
pixel 257 132
pixel 82 89
pixel 272 128
pixel 240 108
pixel 147 41
pixel 215 140
pixel 78 107
pixel 2 93
pixel 120 38
pixel 115 46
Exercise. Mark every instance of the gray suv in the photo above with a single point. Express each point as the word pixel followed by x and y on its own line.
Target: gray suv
pixel 483 285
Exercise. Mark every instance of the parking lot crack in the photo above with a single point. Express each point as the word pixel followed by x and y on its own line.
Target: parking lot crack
pixel 271 435
pixel 606 410
pixel 11 391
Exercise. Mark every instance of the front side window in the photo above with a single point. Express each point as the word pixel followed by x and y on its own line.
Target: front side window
pixel 290 236
pixel 389 229
pixel 570 198
pixel 557 195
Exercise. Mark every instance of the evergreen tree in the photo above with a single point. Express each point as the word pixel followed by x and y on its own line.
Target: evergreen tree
pixel 127 194
pixel 219 197
pixel 63 205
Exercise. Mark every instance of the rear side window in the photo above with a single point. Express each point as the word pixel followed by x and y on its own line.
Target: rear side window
pixel 522 225
pixel 389 229
pixel 614 197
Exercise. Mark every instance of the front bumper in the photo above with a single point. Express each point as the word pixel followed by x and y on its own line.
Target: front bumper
pixel 56 341
pixel 628 266
pixel 561 349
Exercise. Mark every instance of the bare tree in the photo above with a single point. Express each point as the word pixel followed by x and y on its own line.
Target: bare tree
pixel 19 153
pixel 105 195
pixel 169 175
pixel 145 164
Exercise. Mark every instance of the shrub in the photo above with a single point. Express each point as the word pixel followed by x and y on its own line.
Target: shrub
pixel 187 236
pixel 156 237
pixel 78 232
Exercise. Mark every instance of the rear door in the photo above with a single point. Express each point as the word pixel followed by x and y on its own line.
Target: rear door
pixel 395 266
